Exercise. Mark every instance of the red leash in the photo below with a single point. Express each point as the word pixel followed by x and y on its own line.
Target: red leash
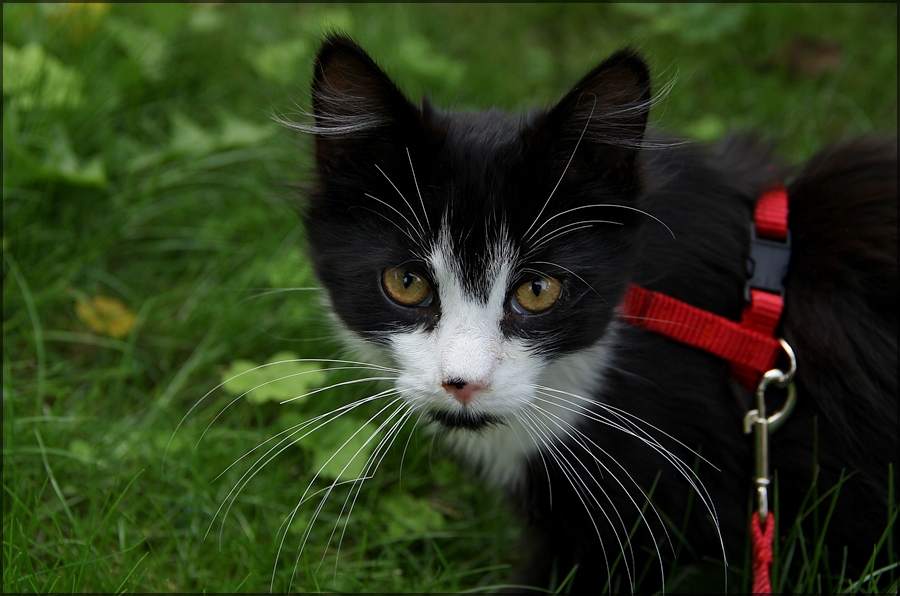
pixel 749 345
pixel 762 535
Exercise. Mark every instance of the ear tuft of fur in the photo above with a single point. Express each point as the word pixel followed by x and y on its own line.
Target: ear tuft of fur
pixel 351 95
pixel 598 128
pixel 358 110
pixel 610 105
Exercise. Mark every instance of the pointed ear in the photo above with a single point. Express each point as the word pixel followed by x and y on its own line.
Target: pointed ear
pixel 601 122
pixel 357 108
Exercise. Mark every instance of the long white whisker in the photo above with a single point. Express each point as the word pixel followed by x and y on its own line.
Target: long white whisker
pixel 547 440
pixel 416 182
pixel 342 384
pixel 300 426
pixel 347 441
pixel 394 209
pixel 288 520
pixel 579 437
pixel 287 441
pixel 277 291
pixel 624 414
pixel 327 490
pixel 634 430
pixel 319 390
pixel 405 447
pixel 220 385
pixel 570 272
pixel 371 467
pixel 584 489
pixel 527 236
pixel 413 211
pixel 611 205
pixel 324 465
pixel 567 228
pixel 391 221
pixel 540 454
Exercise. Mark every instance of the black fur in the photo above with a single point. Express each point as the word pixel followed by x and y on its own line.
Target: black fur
pixel 841 291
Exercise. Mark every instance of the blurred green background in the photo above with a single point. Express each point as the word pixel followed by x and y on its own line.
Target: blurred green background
pixel 151 251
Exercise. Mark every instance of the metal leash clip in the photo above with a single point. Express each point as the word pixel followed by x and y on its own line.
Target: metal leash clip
pixel 756 421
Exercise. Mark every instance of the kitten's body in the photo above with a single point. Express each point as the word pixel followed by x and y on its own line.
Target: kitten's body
pixel 572 411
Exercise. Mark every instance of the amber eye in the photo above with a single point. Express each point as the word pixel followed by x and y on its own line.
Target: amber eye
pixel 538 294
pixel 406 287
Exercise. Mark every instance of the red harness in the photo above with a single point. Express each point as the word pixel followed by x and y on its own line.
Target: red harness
pixel 749 345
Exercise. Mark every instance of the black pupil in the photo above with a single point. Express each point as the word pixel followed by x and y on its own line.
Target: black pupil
pixel 537 286
pixel 408 279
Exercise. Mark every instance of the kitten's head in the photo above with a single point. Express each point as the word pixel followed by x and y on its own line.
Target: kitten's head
pixel 475 248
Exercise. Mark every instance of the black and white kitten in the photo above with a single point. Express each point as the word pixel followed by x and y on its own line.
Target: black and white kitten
pixel 485 255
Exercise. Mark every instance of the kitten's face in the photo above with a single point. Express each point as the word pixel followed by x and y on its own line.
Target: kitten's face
pixel 477 250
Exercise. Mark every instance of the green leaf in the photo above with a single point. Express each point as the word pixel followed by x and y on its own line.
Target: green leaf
pixel 691 23
pixel 82 449
pixel 22 68
pixel 279 62
pixel 289 269
pixel 347 452
pixel 51 157
pixel 405 514
pixel 422 58
pixel 707 128
pixel 188 137
pixel 237 132
pixel 62 161
pixel 281 380
pixel 35 79
pixel 142 44
pixel 206 19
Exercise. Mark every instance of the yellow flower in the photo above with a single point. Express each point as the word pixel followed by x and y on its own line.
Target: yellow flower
pixel 105 315
pixel 81 18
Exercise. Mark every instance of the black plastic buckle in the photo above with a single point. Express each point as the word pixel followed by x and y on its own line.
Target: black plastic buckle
pixel 767 264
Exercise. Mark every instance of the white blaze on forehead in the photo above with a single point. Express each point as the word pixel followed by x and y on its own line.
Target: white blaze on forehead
pixel 468 331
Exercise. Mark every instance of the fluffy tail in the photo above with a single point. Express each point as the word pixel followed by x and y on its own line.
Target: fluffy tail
pixel 841 291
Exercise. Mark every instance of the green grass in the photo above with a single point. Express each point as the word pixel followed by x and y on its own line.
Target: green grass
pixel 140 163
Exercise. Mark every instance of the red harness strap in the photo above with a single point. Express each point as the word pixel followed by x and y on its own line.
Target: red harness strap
pixel 749 345
pixel 765 303
pixel 743 346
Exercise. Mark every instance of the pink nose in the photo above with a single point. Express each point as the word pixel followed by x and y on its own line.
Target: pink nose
pixel 461 390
